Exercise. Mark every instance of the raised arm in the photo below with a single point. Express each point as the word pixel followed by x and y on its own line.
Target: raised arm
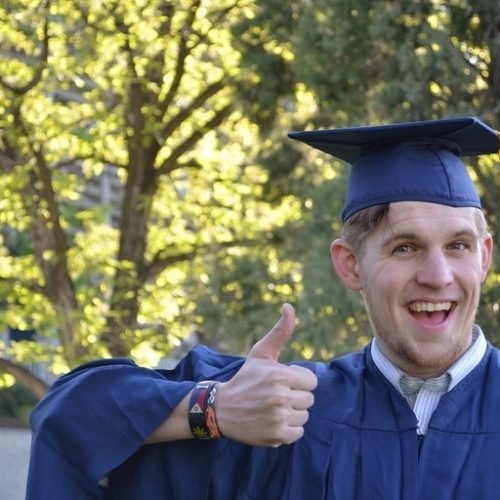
pixel 100 415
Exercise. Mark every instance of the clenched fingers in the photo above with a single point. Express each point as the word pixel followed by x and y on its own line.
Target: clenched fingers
pixel 301 378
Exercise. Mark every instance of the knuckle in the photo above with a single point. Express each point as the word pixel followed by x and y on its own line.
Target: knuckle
pixel 279 376
pixel 280 415
pixel 280 399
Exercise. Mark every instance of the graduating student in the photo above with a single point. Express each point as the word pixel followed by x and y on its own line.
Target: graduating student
pixel 414 416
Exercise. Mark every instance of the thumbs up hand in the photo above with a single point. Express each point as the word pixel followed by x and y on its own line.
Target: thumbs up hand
pixel 266 402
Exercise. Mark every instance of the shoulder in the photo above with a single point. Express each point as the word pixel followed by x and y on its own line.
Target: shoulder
pixel 342 379
pixel 491 363
pixel 493 352
pixel 350 391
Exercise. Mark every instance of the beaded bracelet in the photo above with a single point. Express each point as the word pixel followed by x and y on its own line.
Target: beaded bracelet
pixel 201 415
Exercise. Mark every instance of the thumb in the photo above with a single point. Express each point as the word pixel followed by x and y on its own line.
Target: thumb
pixel 271 345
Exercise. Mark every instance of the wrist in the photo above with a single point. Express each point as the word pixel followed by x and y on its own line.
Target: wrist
pixel 202 414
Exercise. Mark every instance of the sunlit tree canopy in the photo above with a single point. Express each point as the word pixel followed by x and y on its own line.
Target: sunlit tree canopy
pixel 148 186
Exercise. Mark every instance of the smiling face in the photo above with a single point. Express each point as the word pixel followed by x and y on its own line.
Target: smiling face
pixel 420 273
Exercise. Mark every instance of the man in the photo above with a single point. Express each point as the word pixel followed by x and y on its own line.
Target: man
pixel 416 247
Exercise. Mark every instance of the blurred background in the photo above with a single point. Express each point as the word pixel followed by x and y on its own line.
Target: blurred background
pixel 151 199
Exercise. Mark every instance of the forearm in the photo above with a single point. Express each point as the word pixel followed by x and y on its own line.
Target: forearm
pixel 175 426
pixel 257 406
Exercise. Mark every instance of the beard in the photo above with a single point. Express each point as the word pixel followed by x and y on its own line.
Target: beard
pixel 409 355
pixel 406 354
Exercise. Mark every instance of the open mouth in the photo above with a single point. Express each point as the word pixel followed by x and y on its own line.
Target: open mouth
pixel 433 313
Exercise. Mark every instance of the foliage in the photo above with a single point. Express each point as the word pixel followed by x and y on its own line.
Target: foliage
pixel 186 105
pixel 146 89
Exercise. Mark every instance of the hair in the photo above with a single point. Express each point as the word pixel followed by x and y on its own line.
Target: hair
pixel 361 224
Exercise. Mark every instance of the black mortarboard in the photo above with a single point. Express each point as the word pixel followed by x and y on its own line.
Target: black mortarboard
pixel 415 161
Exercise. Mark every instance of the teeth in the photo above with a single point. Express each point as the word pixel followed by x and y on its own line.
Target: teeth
pixel 430 306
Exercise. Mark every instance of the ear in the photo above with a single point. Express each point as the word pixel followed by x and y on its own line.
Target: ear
pixel 346 263
pixel 487 253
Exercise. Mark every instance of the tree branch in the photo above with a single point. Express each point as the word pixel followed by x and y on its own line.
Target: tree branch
pixel 163 259
pixel 180 63
pixel 187 111
pixel 35 386
pixel 172 161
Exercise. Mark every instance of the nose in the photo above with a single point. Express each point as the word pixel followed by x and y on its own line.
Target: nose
pixel 435 270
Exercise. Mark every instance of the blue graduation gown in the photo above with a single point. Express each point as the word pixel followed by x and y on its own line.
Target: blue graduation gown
pixel 360 441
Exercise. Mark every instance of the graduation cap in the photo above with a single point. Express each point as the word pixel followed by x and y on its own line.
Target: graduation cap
pixel 414 161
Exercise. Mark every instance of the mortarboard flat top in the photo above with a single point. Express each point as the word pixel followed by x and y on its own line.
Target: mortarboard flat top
pixel 414 161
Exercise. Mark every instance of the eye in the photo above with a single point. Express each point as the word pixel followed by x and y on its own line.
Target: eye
pixel 459 245
pixel 403 249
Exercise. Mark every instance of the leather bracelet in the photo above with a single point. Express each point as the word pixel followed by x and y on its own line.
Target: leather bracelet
pixel 202 415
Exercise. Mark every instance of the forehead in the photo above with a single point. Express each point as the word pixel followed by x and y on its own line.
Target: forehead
pixel 429 218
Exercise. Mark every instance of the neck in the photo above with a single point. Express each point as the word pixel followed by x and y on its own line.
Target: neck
pixel 419 366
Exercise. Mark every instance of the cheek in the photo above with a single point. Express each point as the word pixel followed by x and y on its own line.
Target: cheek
pixel 382 279
pixel 469 274
pixel 385 291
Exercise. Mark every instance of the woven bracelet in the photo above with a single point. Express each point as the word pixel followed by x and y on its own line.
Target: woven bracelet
pixel 201 415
